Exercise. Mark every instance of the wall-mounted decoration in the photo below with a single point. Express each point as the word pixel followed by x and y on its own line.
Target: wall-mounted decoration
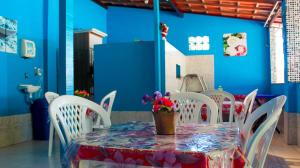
pixel 164 30
pixel 2 34
pixel 199 43
pixel 178 71
pixel 8 35
pixel 28 49
pixel 235 44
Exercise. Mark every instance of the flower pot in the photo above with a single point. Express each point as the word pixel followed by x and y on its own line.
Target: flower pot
pixel 165 122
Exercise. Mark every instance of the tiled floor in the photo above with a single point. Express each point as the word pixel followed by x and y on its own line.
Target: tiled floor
pixel 282 155
pixel 33 154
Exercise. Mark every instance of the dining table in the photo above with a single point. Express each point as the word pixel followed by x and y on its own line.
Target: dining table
pixel 136 144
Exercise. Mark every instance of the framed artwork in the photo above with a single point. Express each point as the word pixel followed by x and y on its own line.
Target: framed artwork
pixel 2 34
pixel 235 44
pixel 8 35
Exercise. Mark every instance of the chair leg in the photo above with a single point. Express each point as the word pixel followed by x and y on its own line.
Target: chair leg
pixel 51 136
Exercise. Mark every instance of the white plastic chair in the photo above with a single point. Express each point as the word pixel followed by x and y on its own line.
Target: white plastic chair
pixel 110 98
pixel 50 96
pixel 248 104
pixel 190 105
pixel 256 147
pixel 203 83
pixel 68 114
pixel 219 97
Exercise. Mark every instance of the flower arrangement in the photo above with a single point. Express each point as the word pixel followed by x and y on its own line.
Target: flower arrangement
pixel 159 102
pixel 82 93
pixel 164 112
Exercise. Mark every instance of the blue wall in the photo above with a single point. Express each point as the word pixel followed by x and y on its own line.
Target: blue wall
pixel 30 26
pixel 3 84
pixel 235 74
pixel 88 14
pixel 38 21
pixel 127 68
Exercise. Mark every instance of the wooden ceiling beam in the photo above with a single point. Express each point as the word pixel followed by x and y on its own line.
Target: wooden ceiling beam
pixel 237 9
pixel 173 5
pixel 222 5
pixel 254 12
pixel 275 17
pixel 230 16
pixel 244 9
pixel 252 1
pixel 272 13
pixel 229 13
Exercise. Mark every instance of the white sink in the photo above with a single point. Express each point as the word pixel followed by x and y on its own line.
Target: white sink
pixel 29 88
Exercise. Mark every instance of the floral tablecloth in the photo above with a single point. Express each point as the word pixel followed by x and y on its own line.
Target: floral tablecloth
pixel 136 143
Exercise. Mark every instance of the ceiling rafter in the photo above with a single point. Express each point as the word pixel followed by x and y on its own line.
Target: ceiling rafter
pixel 245 9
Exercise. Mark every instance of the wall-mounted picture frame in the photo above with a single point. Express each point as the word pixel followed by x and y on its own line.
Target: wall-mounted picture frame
pixel 235 44
pixel 2 33
pixel 8 35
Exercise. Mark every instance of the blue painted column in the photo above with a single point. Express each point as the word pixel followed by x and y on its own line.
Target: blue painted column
pixel 65 59
pixel 157 46
pixel 51 44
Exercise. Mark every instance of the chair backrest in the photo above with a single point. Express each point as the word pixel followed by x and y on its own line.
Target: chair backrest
pixel 50 96
pixel 107 103
pixel 256 147
pixel 219 97
pixel 191 106
pixel 248 104
pixel 203 83
pixel 70 112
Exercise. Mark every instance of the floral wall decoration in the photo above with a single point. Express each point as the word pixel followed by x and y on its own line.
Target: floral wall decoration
pixel 235 44
pixel 8 35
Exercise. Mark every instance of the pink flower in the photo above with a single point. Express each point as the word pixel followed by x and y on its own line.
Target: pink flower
pixel 241 50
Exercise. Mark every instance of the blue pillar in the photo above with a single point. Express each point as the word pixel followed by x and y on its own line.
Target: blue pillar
pixel 51 44
pixel 65 59
pixel 157 40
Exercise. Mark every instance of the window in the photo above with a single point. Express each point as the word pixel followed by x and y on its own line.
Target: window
pixel 277 55
pixel 199 43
